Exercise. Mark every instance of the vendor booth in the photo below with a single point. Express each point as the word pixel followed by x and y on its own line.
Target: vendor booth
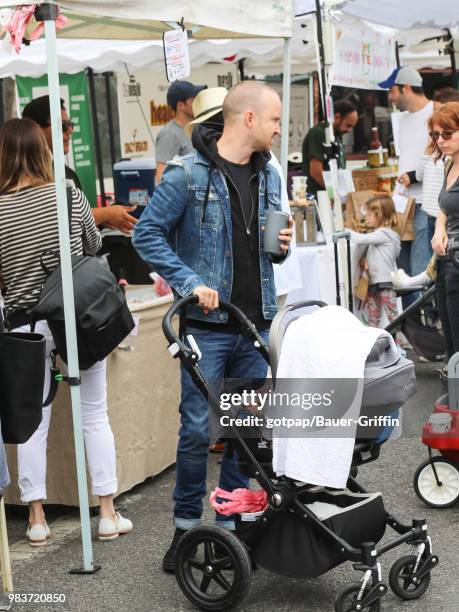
pixel 124 21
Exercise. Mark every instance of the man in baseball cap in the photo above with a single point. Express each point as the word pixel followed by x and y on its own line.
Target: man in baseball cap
pixel 407 94
pixel 172 140
pixel 402 84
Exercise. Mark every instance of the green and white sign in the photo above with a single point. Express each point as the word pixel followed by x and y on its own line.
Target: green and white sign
pixel 74 92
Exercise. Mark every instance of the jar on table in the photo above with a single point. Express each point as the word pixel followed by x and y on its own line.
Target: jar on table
pixel 385 182
pixel 385 157
pixel 373 158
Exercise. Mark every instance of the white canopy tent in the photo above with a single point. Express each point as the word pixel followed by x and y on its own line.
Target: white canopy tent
pixel 102 55
pixel 92 19
pixel 402 14
pixel 149 19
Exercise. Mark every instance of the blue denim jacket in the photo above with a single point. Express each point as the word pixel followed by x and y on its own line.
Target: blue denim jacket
pixel 185 250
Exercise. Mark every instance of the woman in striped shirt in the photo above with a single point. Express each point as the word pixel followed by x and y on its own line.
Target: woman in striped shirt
pixel 28 227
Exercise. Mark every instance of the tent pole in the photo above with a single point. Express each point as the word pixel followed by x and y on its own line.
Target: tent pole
pixel 397 53
pixel 111 131
pixel 452 55
pixel 321 71
pixel 48 13
pixel 311 100
pixel 286 78
pixel 95 129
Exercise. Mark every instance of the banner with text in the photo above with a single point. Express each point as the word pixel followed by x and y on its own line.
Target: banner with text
pixel 363 57
pixel 74 92
pixel 143 108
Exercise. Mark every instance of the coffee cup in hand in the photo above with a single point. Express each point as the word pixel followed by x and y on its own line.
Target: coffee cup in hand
pixel 276 221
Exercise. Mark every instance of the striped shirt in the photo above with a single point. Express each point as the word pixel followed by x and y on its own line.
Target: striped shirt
pixel 431 173
pixel 28 227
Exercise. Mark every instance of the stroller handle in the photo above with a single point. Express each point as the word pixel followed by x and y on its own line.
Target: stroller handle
pixel 452 255
pixel 231 309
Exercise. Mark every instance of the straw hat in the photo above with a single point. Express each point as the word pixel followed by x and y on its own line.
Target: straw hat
pixel 208 102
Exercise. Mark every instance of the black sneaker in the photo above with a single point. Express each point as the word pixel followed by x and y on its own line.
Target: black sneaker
pixel 169 557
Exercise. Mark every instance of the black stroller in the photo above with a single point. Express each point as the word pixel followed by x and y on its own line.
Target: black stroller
pixel 213 566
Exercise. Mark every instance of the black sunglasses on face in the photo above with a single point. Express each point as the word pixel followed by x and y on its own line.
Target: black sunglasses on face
pixel 66 125
pixel 447 135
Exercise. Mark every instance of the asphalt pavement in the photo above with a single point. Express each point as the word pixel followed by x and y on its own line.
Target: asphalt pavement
pixel 131 578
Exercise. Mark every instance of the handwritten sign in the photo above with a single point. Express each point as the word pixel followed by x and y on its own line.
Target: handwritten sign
pixel 363 57
pixel 176 54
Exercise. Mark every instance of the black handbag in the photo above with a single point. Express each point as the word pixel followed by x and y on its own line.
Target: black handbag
pixel 103 318
pixel 22 378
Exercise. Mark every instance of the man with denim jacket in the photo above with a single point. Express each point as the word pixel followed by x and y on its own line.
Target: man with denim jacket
pixel 202 232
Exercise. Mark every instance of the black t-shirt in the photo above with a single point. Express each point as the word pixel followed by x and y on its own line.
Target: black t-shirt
pixel 448 201
pixel 242 182
pixel 242 211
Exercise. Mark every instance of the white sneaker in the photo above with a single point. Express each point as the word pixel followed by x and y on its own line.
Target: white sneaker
pixel 400 279
pixel 109 529
pixel 38 534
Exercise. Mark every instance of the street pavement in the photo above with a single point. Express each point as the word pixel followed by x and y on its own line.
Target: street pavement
pixel 131 578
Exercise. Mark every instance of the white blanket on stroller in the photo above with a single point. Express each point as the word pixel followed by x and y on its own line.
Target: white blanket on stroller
pixel 329 343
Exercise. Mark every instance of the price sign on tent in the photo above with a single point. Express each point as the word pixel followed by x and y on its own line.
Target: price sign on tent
pixel 176 54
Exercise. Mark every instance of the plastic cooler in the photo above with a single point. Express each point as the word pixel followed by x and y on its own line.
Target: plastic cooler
pixel 134 182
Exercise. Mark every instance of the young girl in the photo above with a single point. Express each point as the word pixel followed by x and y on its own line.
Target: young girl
pixel 383 246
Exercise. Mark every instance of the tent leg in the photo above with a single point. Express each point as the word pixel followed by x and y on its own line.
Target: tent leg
pixel 111 129
pixel 48 14
pixel 286 103
pixel 96 133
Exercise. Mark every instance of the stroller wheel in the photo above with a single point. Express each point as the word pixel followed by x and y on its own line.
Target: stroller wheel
pixel 403 581
pixel 212 568
pixel 349 600
pixel 429 490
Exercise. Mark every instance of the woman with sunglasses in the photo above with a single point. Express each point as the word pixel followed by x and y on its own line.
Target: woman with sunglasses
pixel 444 132
pixel 28 228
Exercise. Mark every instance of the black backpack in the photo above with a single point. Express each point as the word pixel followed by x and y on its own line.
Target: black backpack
pixel 103 318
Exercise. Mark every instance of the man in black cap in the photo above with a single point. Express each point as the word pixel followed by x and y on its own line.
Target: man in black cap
pixel 172 140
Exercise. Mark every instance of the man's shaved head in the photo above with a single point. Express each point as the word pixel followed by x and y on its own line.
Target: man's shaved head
pixel 246 96
pixel 252 114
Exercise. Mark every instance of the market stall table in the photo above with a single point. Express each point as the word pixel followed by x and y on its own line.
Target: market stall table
pixel 143 386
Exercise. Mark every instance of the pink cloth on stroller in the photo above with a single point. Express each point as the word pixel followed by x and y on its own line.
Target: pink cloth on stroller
pixel 240 500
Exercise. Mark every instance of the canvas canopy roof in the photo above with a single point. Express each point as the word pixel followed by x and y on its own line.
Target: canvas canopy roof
pixel 404 14
pixel 149 19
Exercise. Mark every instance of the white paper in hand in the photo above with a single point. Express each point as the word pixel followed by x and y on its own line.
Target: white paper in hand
pixel 400 199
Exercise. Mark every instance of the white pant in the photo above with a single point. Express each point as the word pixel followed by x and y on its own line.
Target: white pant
pixel 98 436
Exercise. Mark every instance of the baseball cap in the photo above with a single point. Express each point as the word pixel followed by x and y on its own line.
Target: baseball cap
pixel 406 75
pixel 180 91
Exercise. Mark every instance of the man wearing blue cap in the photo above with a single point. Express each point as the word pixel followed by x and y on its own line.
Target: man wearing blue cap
pixel 172 140
pixel 407 94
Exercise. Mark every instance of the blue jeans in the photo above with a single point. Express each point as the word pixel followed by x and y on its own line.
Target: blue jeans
pixel 223 356
pixel 415 254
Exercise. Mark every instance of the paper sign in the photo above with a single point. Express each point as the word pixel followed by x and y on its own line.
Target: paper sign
pixel 176 54
pixel 345 183
pixel 400 203
pixel 363 57
pixel 400 198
